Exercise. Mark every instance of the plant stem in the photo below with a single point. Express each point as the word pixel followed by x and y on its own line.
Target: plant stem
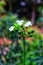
pixel 24 48
pixel 23 36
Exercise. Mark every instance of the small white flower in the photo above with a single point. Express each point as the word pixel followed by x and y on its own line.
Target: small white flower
pixel 28 24
pixel 11 28
pixel 20 22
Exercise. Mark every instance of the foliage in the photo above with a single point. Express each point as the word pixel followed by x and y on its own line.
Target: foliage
pixel 20 50
pixel 40 8
pixel 2 3
pixel 14 53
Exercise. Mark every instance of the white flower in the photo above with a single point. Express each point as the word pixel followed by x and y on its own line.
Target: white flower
pixel 11 28
pixel 20 22
pixel 28 24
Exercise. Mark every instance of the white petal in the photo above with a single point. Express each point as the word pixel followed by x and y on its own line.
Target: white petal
pixel 11 28
pixel 28 24
pixel 20 22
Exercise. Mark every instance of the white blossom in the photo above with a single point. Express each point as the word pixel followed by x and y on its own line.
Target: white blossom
pixel 11 28
pixel 28 24
pixel 20 22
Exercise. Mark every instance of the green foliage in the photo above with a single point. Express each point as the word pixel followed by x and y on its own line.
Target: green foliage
pixel 20 48
pixel 33 51
pixel 17 26
pixel 2 7
pixel 40 8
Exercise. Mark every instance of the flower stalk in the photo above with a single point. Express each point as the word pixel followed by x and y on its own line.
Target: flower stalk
pixel 23 36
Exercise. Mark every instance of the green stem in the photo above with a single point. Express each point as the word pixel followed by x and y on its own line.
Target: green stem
pixel 23 36
pixel 24 48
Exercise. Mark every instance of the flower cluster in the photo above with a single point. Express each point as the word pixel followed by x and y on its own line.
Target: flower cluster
pixel 20 23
